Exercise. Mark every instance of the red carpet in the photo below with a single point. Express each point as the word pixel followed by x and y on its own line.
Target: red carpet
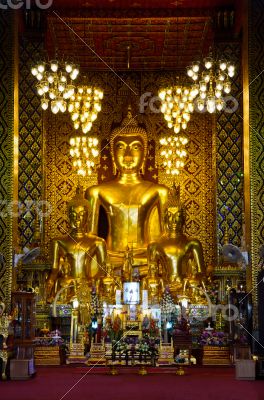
pixel 199 383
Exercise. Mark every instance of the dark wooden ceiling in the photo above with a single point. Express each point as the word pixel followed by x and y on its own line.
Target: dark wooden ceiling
pixel 136 34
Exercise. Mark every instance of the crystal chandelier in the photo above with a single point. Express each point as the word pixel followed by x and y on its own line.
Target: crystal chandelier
pixel 173 153
pixel 55 83
pixel 177 105
pixel 84 152
pixel 214 82
pixel 84 106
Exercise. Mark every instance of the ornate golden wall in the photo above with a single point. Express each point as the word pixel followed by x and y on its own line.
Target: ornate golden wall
pixel 229 148
pixel 8 120
pixel 256 118
pixel 197 180
pixel 30 176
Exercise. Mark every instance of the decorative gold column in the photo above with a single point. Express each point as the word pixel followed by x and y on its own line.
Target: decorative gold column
pixel 8 148
pixel 255 141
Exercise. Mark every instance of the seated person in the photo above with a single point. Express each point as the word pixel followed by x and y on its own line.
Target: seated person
pixel 132 205
pixel 83 255
pixel 173 250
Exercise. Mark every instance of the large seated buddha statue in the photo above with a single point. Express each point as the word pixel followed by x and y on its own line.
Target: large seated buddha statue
pixel 179 257
pixel 79 257
pixel 132 205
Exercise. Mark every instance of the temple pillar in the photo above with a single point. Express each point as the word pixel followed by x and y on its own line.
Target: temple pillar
pixel 255 128
pixel 8 148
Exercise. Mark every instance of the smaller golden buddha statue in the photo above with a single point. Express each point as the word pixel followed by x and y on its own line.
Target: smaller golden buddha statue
pixel 154 284
pixel 128 265
pixel 174 248
pixel 80 257
pixel 110 284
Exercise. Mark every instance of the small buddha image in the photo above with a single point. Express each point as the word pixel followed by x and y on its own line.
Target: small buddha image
pixel 110 283
pixel 154 284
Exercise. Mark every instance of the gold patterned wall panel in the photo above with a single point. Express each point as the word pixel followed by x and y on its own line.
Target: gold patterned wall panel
pixel 197 180
pixel 229 142
pixel 256 123
pixel 30 139
pixel 6 151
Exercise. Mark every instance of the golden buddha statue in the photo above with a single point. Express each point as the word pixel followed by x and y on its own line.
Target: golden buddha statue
pixel 81 256
pixel 174 248
pixel 154 284
pixel 109 285
pixel 132 205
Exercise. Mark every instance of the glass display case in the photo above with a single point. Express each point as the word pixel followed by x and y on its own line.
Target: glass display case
pixel 23 306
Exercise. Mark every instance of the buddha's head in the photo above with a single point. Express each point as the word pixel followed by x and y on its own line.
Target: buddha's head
pixel 128 144
pixel 174 215
pixel 78 211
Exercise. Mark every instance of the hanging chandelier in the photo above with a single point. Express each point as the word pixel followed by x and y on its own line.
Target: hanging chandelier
pixel 173 153
pixel 213 82
pixel 55 83
pixel 84 152
pixel 84 106
pixel 177 105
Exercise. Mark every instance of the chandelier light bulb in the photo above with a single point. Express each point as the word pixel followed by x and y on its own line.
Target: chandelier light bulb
pixel 54 107
pixel 189 71
pixel 63 106
pixel 227 87
pixel 39 76
pixel 68 67
pixel 40 90
pixel 219 84
pixel 177 128
pixel 203 86
pixel 44 104
pixel 222 65
pixel 218 94
pixel 50 77
pixel 208 62
pixel 61 86
pixel 210 104
pixel 231 73
pixel 34 71
pixel 219 104
pixel 41 67
pixel 75 116
pixel 230 67
pixel 221 76
pixel 195 66
pixel 54 65
pixel 162 95
pixel 200 104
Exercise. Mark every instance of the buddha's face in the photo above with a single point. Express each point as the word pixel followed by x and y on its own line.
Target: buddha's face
pixel 174 218
pixel 128 153
pixel 78 216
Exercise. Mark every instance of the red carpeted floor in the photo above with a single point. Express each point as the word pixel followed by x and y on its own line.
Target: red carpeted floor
pixel 199 383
